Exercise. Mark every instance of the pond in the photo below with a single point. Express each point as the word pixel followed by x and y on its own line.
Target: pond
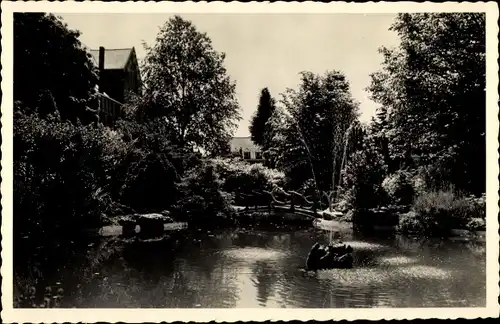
pixel 262 268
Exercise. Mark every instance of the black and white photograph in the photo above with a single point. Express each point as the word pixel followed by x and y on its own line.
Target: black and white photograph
pixel 161 157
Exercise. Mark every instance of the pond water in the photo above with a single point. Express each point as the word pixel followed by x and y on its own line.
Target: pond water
pixel 261 268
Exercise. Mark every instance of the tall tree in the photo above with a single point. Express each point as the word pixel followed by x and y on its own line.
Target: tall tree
pixel 317 117
pixel 187 86
pixel 52 70
pixel 258 125
pixel 433 86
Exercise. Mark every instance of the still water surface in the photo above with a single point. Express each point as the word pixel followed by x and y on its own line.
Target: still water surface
pixel 261 268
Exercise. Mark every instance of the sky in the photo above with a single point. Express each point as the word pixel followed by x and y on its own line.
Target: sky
pixel 263 50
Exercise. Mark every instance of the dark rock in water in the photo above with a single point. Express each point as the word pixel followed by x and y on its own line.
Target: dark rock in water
pixel 329 257
pixel 127 223
pixel 151 223
pixel 314 256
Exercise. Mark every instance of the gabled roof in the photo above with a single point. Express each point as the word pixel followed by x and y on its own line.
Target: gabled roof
pixel 113 58
pixel 245 143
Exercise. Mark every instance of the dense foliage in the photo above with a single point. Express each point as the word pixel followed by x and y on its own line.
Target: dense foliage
pixel 432 88
pixel 52 70
pixel 69 175
pixel 425 137
pixel 429 133
pixel 243 180
pixel 59 174
pixel 202 196
pixel 438 212
pixel 310 128
pixel 363 176
pixel 188 88
pixel 209 189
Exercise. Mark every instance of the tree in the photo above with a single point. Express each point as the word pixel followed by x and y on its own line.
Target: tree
pixel 311 143
pixel 363 175
pixel 258 127
pixel 52 70
pixel 433 86
pixel 187 87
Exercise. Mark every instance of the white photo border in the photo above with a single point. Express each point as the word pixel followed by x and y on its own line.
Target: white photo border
pixel 9 314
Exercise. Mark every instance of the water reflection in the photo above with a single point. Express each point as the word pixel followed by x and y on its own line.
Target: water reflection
pixel 261 268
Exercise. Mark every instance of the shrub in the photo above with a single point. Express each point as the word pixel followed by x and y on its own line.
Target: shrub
pixel 477 206
pixel 476 224
pixel 399 188
pixel 437 212
pixel 201 196
pixel 150 183
pixel 418 184
pixel 363 178
pixel 241 178
pixel 411 223
pixel 432 177
pixel 59 174
pixel 147 170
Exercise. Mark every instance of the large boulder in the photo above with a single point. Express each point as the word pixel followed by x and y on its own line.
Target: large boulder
pixel 312 262
pixel 329 257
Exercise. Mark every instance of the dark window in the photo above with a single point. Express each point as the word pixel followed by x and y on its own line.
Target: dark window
pixel 246 155
pixel 258 155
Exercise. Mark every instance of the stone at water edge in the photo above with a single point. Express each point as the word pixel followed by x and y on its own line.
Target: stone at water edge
pixel 334 213
pixel 329 257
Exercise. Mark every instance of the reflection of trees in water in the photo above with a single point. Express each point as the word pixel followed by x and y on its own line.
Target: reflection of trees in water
pixel 60 265
pixel 409 244
pixel 252 239
pixel 219 289
pixel 478 249
pixel 264 279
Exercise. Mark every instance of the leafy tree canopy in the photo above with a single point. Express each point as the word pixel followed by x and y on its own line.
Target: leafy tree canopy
pixel 187 86
pixel 316 119
pixel 52 70
pixel 433 87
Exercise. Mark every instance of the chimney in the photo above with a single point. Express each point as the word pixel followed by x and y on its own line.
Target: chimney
pixel 101 66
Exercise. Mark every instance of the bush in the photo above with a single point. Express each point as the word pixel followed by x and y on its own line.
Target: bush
pixel 363 178
pixel 71 177
pixel 477 206
pixel 60 174
pixel 437 212
pixel 241 179
pixel 201 197
pixel 411 223
pixel 476 224
pixel 148 170
pixel 418 184
pixel 399 188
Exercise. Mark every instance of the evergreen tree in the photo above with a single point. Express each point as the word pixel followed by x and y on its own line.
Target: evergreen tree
pixel 258 125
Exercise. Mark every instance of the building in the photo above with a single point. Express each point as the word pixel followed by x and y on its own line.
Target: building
pixel 119 75
pixel 246 149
